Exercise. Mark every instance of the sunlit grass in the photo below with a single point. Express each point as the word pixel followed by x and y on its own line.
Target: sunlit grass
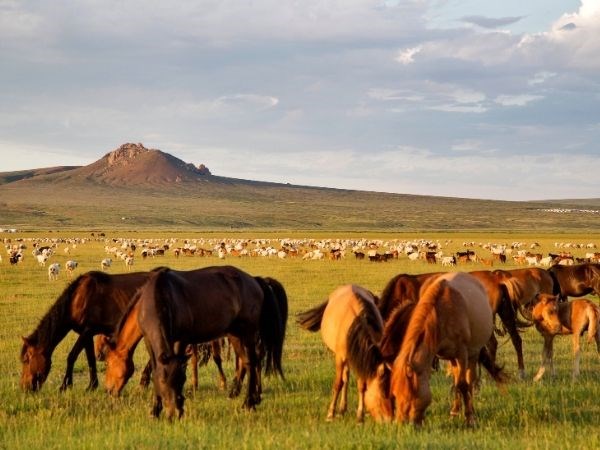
pixel 554 413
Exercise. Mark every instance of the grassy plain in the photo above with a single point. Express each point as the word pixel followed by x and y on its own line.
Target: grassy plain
pixel 553 413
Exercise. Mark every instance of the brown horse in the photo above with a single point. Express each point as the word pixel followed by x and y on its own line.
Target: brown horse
pixel 523 285
pixel 401 288
pixel 576 281
pixel 179 308
pixel 553 317
pixel 453 320
pixel 119 349
pixel 90 305
pixel 351 328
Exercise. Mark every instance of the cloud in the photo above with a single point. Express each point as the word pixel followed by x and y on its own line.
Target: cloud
pixel 407 56
pixel 258 102
pixel 488 22
pixel 517 100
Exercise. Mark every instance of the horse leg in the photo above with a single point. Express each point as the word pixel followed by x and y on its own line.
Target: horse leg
pixel 457 401
pixel 576 355
pixel 338 383
pixel 216 355
pixel 360 411
pixel 73 354
pixel 91 359
pixel 546 357
pixel 509 320
pixel 194 363
pixel 146 374
pixel 345 380
pixel 467 389
pixel 251 364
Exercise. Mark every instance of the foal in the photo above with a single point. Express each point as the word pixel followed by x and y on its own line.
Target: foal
pixel 552 317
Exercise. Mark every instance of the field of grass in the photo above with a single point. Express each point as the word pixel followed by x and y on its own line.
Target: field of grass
pixel 553 413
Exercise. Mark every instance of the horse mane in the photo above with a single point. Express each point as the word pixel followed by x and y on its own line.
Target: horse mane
pixel 395 329
pixel 385 301
pixel 422 329
pixel 125 316
pixel 363 338
pixel 53 326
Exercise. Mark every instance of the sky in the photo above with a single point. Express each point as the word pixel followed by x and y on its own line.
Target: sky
pixel 461 98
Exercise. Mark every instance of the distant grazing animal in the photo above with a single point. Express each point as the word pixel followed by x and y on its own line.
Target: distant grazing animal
pixel 105 263
pixel 448 261
pixel 553 317
pixel 70 266
pixel 53 271
pixel 41 259
pixel 351 327
pixel 129 262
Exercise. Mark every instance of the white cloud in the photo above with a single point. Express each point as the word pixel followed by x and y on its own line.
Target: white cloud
pixel 517 100
pixel 407 56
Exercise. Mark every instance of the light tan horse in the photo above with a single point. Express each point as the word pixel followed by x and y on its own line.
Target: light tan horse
pixel 351 327
pixel 552 318
pixel 452 320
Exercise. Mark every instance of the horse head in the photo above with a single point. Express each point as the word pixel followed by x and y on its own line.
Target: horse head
pixel 36 365
pixel 410 387
pixel 545 313
pixel 169 380
pixel 378 400
pixel 119 369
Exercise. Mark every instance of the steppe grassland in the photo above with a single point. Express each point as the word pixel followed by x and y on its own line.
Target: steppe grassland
pixel 555 412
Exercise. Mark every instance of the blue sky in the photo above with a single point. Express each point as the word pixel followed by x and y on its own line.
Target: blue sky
pixel 479 99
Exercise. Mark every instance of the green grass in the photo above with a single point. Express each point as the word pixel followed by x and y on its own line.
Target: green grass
pixel 553 413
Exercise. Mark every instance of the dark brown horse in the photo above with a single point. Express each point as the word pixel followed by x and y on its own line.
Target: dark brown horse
pixel 180 308
pixel 576 281
pixel 90 305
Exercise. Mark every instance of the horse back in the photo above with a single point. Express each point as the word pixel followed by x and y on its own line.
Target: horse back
pixel 344 305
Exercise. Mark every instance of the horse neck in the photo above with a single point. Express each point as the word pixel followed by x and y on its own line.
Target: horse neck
pixel 51 330
pixel 129 333
pixel 422 331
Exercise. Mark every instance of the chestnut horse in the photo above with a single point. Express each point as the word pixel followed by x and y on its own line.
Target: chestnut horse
pixel 178 308
pixel 90 305
pixel 553 317
pixel 401 288
pixel 576 281
pixel 351 328
pixel 453 320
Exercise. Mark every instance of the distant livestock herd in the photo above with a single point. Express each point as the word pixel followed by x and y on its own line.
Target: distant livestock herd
pixel 375 250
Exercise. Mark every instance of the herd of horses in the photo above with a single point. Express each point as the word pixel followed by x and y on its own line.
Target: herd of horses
pixel 392 343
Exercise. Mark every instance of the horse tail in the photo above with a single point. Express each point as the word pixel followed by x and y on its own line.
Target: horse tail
pixel 311 319
pixel 272 328
pixel 556 290
pixel 496 372
pixel 159 287
pixel 281 297
pixel 520 314
pixel 363 337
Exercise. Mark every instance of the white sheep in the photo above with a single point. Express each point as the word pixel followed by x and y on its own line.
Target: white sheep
pixel 53 271
pixel 105 263
pixel 70 266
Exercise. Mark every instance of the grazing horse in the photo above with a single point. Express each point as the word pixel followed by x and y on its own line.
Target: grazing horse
pixel 351 327
pixel 523 285
pixel 90 305
pixel 178 308
pixel 553 317
pixel 118 351
pixel 576 281
pixel 453 320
